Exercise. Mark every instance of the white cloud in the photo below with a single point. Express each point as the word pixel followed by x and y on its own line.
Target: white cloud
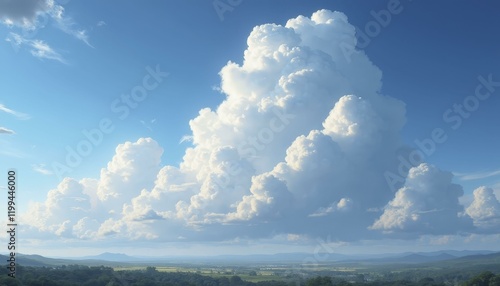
pixel 426 204
pixel 43 51
pixel 41 168
pixel 478 176
pixel 343 205
pixel 485 209
pixel 31 15
pixel 298 148
pixel 17 114
pixel 68 26
pixel 39 48
pixel 4 130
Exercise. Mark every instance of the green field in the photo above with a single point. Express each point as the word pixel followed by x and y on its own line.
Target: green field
pixel 215 273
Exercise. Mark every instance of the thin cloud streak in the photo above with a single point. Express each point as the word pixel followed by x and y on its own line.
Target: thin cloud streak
pixel 477 176
pixel 4 130
pixel 40 49
pixel 17 114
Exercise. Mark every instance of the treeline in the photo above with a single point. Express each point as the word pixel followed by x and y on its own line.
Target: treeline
pixel 76 275
pixel 486 278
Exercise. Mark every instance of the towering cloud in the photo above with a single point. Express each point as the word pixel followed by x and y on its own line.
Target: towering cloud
pixel 485 209
pixel 299 147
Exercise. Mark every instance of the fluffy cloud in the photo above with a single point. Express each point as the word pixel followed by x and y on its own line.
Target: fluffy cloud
pixel 485 209
pixel 64 207
pixel 426 204
pixel 299 147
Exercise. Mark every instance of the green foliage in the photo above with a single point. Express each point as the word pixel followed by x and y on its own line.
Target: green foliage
pixel 76 275
pixel 484 279
pixel 320 281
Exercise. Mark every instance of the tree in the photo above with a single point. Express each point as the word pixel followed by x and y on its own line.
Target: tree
pixel 9 281
pixel 320 281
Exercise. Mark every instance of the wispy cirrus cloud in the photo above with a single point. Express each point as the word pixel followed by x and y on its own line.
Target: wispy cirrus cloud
pixel 32 15
pixel 68 26
pixel 38 48
pixel 477 175
pixel 17 114
pixel 42 169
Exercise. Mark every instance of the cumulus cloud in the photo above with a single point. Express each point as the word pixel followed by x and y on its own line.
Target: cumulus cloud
pixel 65 205
pixel 485 209
pixel 298 148
pixel 426 204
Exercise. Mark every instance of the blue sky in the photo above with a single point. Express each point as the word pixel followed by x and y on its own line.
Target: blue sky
pixel 68 65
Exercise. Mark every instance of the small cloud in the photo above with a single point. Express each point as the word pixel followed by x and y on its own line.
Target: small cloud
pixel 186 138
pixel 4 130
pixel 343 205
pixel 217 88
pixel 41 168
pixel 148 215
pixel 83 36
pixel 477 176
pixel 293 237
pixel 19 115
pixel 324 211
pixel 67 25
pixel 148 125
pixel 101 23
pixel 40 49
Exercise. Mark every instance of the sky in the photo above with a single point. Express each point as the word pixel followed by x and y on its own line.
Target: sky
pixel 234 127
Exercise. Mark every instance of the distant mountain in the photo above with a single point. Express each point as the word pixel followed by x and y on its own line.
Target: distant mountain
pixel 24 260
pixel 450 258
pixel 39 261
pixel 419 258
pixel 108 256
pixel 480 258
pixel 457 253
